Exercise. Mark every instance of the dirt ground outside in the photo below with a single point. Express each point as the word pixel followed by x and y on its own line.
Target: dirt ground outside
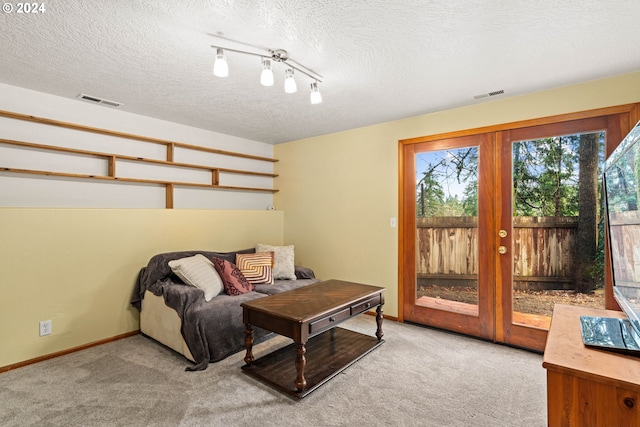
pixel 524 301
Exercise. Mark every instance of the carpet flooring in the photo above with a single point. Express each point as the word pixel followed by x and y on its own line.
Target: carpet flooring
pixel 418 377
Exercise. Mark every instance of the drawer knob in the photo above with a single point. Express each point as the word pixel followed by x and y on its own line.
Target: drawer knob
pixel 367 305
pixel 629 402
pixel 332 319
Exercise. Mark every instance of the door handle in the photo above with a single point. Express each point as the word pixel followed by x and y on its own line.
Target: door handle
pixel 502 250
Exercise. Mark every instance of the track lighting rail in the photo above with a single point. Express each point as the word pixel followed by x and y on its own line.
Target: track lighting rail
pixel 278 55
pixel 221 68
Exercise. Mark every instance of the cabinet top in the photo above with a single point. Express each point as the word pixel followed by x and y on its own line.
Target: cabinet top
pixel 566 353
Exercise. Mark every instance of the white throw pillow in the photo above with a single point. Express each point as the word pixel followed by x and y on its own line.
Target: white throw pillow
pixel 283 260
pixel 198 271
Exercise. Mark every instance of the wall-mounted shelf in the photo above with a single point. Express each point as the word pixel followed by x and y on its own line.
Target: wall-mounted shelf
pixel 112 160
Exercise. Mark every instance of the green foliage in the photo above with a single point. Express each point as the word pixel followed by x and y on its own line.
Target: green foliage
pixel 545 177
pixel 451 167
pixel 621 179
pixel 430 198
pixel 596 272
pixel 470 200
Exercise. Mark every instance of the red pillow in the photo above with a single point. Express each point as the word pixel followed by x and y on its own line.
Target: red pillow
pixel 232 278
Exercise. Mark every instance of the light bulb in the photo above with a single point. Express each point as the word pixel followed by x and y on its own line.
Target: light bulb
pixel 220 67
pixel 266 78
pixel 289 82
pixel 315 97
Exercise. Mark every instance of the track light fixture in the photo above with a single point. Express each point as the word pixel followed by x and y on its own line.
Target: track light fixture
pixel 221 68
pixel 315 97
pixel 266 78
pixel 289 82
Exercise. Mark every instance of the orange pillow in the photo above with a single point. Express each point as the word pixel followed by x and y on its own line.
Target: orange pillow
pixel 257 268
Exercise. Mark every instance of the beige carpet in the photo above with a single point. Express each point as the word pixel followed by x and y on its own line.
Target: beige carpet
pixel 418 377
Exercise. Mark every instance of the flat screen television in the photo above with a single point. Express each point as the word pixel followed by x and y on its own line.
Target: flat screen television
pixel 621 179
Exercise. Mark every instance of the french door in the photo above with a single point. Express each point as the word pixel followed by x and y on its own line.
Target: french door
pixel 472 244
pixel 450 246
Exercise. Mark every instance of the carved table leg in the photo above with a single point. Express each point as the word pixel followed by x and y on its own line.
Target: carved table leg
pixel 248 344
pixel 301 362
pixel 379 333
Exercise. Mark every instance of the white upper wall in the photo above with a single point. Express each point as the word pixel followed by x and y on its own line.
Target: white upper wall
pixel 21 190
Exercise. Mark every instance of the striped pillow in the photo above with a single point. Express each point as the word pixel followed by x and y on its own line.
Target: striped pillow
pixel 198 271
pixel 257 268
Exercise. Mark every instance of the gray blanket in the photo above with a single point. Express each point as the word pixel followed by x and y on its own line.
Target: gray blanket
pixel 212 330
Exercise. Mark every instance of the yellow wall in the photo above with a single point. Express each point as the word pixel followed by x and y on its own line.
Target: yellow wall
pixel 77 267
pixel 339 191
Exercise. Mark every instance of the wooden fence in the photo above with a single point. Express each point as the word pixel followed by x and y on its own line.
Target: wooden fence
pixel 542 251
pixel 625 251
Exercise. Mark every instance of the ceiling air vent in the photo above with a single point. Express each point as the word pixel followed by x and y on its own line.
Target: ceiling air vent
pixel 485 95
pixel 96 100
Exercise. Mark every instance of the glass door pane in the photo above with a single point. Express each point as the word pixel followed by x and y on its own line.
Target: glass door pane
pixel 558 228
pixel 447 229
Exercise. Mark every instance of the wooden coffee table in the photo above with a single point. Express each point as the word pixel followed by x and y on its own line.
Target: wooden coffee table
pixel 309 315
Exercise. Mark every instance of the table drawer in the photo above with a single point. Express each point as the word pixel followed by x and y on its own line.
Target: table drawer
pixel 365 305
pixel 329 321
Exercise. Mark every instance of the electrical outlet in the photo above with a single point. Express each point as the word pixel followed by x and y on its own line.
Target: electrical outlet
pixel 45 328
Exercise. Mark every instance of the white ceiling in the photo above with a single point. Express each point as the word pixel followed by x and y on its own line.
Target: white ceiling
pixel 381 60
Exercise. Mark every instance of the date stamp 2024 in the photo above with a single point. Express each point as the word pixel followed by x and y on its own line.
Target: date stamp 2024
pixel 24 8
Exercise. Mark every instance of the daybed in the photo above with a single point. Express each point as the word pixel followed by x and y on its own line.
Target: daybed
pixel 179 316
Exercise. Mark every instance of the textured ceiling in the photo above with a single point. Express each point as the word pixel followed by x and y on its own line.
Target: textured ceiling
pixel 381 60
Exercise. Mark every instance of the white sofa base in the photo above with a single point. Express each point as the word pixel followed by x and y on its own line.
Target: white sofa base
pixel 162 323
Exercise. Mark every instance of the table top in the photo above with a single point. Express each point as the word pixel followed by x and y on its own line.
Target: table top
pixel 565 352
pixel 314 300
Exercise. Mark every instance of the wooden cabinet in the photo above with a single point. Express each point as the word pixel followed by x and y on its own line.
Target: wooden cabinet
pixel 585 386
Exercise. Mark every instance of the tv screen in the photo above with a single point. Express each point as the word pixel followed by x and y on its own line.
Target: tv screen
pixel 622 191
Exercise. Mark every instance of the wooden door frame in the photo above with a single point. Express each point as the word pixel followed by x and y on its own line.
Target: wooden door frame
pixel 629 114
pixel 472 322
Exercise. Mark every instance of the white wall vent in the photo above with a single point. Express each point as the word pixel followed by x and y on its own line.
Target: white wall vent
pixel 485 95
pixel 96 100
